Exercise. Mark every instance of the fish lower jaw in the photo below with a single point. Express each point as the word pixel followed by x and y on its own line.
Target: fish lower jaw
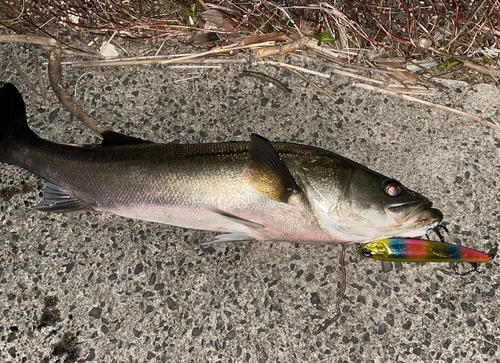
pixel 416 232
pixel 410 233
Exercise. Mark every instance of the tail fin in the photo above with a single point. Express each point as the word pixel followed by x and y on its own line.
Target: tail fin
pixel 13 123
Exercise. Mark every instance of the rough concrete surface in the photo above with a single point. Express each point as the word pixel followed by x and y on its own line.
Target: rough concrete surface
pixel 101 288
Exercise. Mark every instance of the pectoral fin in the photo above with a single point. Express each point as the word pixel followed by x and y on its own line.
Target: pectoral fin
pixel 230 237
pixel 234 223
pixel 56 200
pixel 234 219
pixel 269 175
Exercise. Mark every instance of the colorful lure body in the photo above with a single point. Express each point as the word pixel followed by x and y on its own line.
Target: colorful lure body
pixel 417 250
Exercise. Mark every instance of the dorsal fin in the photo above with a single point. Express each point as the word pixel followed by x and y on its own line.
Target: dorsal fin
pixel 111 138
pixel 268 173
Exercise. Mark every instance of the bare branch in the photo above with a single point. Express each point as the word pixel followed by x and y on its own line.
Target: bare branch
pixel 30 39
pixel 430 104
pixel 63 95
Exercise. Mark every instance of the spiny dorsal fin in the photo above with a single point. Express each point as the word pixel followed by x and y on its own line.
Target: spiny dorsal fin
pixel 268 173
pixel 111 138
pixel 56 200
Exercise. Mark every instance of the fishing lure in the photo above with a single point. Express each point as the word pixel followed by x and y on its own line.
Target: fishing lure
pixel 417 250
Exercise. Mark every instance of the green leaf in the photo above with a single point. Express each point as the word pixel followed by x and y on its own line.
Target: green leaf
pixel 262 22
pixel 449 64
pixel 322 37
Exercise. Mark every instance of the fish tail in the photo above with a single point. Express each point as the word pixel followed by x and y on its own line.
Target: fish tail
pixel 14 129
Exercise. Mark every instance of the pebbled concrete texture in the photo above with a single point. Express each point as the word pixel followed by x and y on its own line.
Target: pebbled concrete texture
pixel 101 288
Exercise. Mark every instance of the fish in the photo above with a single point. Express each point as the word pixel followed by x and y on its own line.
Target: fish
pixel 417 250
pixel 246 190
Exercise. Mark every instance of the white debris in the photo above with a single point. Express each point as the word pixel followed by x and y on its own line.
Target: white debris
pixel 492 51
pixel 416 66
pixel 108 50
pixel 73 18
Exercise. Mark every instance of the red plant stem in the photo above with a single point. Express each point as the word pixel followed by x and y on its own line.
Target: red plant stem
pixel 244 19
pixel 409 23
pixel 435 17
pixel 406 41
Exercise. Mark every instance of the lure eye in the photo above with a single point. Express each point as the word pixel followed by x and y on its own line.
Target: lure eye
pixel 367 252
pixel 392 189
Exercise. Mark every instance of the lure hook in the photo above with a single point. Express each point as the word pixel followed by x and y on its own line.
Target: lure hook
pixel 437 231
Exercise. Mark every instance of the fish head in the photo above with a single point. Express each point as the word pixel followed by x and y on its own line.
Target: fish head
pixel 356 204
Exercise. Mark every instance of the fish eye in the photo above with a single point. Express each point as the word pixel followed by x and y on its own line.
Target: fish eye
pixel 367 252
pixel 393 189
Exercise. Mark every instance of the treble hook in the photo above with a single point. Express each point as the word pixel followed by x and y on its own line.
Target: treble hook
pixel 437 231
pixel 474 268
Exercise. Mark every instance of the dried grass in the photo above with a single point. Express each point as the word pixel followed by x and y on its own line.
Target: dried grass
pixel 400 45
pixel 372 29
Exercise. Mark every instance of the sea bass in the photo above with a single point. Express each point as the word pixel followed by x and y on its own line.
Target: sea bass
pixel 257 190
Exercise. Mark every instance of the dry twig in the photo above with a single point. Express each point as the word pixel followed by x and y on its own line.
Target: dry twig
pixel 416 90
pixel 149 61
pixel 282 50
pixel 314 85
pixel 41 84
pixel 270 79
pixel 329 322
pixel 495 73
pixel 23 75
pixel 290 66
pixel 315 73
pixel 63 95
pixel 430 104
pixel 30 39
pixel 256 39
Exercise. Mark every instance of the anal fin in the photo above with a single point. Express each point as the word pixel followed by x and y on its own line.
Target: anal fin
pixel 56 200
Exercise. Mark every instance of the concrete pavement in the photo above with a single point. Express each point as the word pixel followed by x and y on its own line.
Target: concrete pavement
pixel 97 287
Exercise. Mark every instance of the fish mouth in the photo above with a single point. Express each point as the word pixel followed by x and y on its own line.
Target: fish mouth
pixel 429 218
pixel 416 215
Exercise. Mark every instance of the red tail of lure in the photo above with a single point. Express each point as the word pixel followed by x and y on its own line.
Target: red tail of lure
pixel 417 250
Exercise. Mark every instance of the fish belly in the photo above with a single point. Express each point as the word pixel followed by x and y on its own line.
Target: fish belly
pixel 186 217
